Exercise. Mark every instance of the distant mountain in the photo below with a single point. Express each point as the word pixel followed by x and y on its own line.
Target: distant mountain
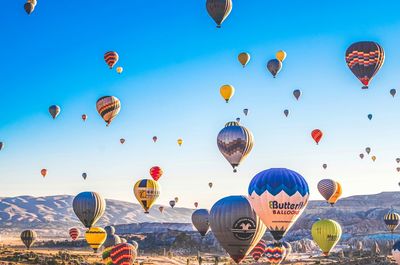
pixel 53 215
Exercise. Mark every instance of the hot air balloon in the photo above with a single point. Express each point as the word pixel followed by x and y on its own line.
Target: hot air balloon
pixel 84 117
pixel 280 55
pixel 236 226
pixel 196 204
pixel 111 58
pixel 155 138
pixel 161 209
pixel 95 237
pixel 274 66
pixel 326 233
pixel 74 233
pixel 146 192
pixel 275 253
pixel 398 169
pixel 286 112
pixel 89 207
pixel 112 240
pixel 180 142
pixel 370 116
pixel 317 135
pixel 297 93
pixel 1 145
pixel 258 251
pixel 330 190
pixel 176 199
pixel 373 158
pixel 84 175
pixel 288 249
pixel 235 143
pixel 106 256
pixel 219 10
pixel 210 184
pixel 396 252
pixel 110 230
pixel 108 107
pixel 227 92
pixel 278 196
pixel 201 221
pixel 238 120
pixel 29 7
pixel 364 59
pixel 324 166
pixel 398 160
pixel 245 111
pixel 28 237
pixel 54 111
pixel 120 70
pixel 33 2
pixel 123 254
pixel 244 58
pixel 172 203
pixel 156 172
pixel 122 140
pixel 43 172
pixel 361 156
pixel 393 92
pixel 368 150
pixel 392 220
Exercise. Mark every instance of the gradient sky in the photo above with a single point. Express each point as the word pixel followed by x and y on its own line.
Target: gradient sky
pixel 174 62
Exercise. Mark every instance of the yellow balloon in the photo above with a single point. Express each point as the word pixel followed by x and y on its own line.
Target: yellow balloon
pixel 119 69
pixel 95 237
pixel 335 197
pixel 227 92
pixel 326 233
pixel 146 192
pixel 281 55
pixel 180 142
pixel 373 158
pixel 244 58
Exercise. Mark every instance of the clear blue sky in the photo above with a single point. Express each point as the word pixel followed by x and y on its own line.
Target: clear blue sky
pixel 175 60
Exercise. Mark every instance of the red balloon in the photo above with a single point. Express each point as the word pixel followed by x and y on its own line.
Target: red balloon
pixel 196 204
pixel 317 135
pixel 74 233
pixel 84 117
pixel 123 254
pixel 156 172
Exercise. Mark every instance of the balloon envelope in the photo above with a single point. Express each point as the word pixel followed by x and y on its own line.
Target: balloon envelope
pixel 146 192
pixel 278 196
pixel 43 172
pixel 111 58
pixel 28 237
pixel 89 207
pixel 54 111
pixel 172 203
pixel 236 226
pixel 156 172
pixel 275 253
pixel 274 66
pixel 227 92
pixel 317 135
pixel 219 10
pixel 297 93
pixel 244 58
pixel 393 92
pixel 95 237
pixel 123 254
pixel 108 107
pixel 286 112
pixel 281 55
pixel 392 220
pixel 29 7
pixel 74 233
pixel 201 221
pixel 326 233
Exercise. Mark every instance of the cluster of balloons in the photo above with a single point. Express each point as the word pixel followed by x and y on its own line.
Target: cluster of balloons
pixel 368 151
pixel 111 59
pixel 29 6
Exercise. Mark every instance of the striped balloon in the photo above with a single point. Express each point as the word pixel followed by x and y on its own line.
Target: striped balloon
pixel 327 188
pixel 258 250
pixel 275 253
pixel 156 172
pixel 95 237
pixel 317 135
pixel 106 256
pixel 392 220
pixel 74 233
pixel 28 237
pixel 111 58
pixel 108 107
pixel 123 254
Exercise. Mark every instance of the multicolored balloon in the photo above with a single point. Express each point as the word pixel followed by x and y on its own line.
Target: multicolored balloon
pixel 326 234
pixel 28 237
pixel 95 237
pixel 317 135
pixel 392 220
pixel 227 92
pixel 201 221
pixel 29 7
pixel 244 58
pixel 235 143
pixel 74 233
pixel 364 59
pixel 330 190
pixel 111 58
pixel 146 192
pixel 123 254
pixel 84 117
pixel 258 251
pixel 275 253
pixel 219 10
pixel 236 226
pixel 279 196
pixel 108 107
pixel 43 172
pixel 89 207
pixel 54 111
pixel 156 172
pixel 274 66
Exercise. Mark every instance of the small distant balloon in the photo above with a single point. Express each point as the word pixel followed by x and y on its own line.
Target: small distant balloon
pixel 1 145
pixel 196 204
pixel 29 7
pixel 122 140
pixel 156 172
pixel 368 150
pixel 84 117
pixel 245 111
pixel 325 166
pixel 84 175
pixel 155 138
pixel 161 209
pixel 227 92
pixel 180 142
pixel 361 156
pixel 119 70
pixel 370 116
pixel 172 203
pixel 398 169
pixel 393 92
pixel 373 158
pixel 54 111
pixel 297 94
pixel 43 172
pixel 397 159
pixel 111 58
pixel 176 199
pixel 286 112
pixel 274 66
pixel 238 119
pixel 244 58
pixel 317 135
pixel 210 184
pixel 280 55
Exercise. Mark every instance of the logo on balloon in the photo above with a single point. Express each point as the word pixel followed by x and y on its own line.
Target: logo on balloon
pixel 244 228
pixel 279 208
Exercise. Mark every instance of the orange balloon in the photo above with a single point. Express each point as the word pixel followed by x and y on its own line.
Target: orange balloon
pixel 317 135
pixel 43 172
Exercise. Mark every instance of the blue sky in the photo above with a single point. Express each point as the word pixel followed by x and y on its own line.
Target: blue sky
pixel 174 62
